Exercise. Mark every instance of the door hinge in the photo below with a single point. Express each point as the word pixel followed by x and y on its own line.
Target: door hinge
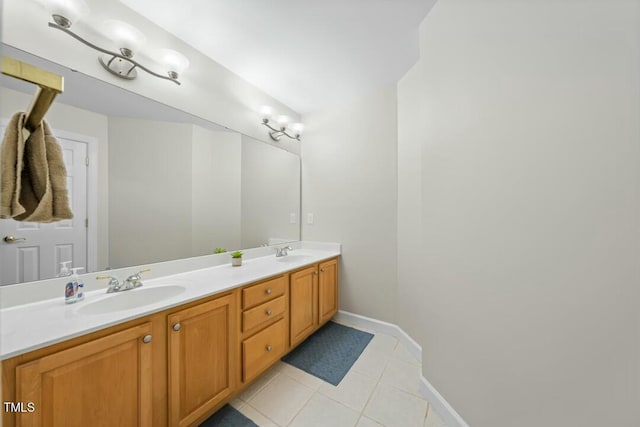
pixel 86 223
pixel 86 161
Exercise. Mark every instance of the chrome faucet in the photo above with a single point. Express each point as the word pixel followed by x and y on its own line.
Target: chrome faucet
pixel 114 283
pixel 283 251
pixel 131 282
pixel 134 281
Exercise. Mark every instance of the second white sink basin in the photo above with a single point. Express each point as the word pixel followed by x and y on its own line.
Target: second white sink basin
pixel 293 258
pixel 126 300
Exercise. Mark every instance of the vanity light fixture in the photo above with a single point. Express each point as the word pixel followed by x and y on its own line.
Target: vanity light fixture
pixel 127 38
pixel 283 128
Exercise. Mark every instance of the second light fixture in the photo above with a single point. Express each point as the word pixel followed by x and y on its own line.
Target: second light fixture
pixel 293 131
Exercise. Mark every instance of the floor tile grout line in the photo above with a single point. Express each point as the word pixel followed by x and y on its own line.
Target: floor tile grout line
pixel 263 414
pixel 374 392
pixel 301 408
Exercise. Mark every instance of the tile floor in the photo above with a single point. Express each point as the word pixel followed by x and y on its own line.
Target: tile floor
pixel 381 389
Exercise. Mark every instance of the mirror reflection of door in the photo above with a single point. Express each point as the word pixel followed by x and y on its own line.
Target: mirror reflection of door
pixel 31 251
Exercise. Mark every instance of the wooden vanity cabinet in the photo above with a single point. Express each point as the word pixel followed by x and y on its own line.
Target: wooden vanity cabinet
pixel 175 367
pixel 314 299
pixel 264 325
pixel 327 290
pixel 303 288
pixel 202 359
pixel 106 381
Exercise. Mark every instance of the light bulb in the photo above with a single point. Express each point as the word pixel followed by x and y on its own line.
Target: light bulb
pixel 174 62
pixel 297 128
pixel 283 121
pixel 126 37
pixel 266 112
pixel 66 12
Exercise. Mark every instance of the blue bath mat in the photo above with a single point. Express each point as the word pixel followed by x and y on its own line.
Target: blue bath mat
pixel 330 352
pixel 228 416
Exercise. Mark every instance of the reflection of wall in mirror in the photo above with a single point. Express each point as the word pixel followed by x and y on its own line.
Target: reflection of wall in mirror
pixel 174 190
pixel 270 194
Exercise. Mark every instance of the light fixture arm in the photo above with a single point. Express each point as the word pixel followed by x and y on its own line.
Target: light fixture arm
pixel 113 54
pixel 276 134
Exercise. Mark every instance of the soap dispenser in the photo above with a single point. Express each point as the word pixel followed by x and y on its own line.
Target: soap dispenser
pixel 79 284
pixel 74 289
pixel 64 269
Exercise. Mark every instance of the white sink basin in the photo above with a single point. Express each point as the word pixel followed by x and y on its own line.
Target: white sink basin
pixel 126 300
pixel 293 258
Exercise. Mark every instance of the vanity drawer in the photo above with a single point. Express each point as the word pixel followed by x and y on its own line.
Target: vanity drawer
pixel 262 349
pixel 263 314
pixel 263 292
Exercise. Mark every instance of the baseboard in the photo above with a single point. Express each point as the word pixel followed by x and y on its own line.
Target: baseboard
pixel 351 319
pixel 441 406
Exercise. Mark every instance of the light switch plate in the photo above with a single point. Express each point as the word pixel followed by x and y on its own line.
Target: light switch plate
pixel 292 218
pixel 310 218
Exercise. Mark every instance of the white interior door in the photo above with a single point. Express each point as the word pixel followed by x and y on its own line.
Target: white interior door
pixel 38 249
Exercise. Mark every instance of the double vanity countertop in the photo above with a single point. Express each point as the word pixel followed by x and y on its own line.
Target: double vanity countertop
pixel 31 326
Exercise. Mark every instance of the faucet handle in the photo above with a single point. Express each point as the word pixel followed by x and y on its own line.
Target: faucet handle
pixel 134 280
pixel 114 283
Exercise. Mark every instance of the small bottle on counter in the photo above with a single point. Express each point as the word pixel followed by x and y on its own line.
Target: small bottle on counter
pixel 79 284
pixel 73 292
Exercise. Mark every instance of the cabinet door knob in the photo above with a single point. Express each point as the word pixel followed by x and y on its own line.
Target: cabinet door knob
pixel 315 273
pixel 322 270
pixel 177 327
pixel 269 312
pixel 269 348
pixel 268 292
pixel 146 339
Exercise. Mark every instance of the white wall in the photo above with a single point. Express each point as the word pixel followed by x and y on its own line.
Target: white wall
pixel 270 193
pixel 524 116
pixel 149 191
pixel 349 183
pixel 67 118
pixel 216 190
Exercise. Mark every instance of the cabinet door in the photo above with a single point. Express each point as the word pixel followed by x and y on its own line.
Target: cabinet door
pixel 328 290
pixel 201 359
pixel 106 382
pixel 303 303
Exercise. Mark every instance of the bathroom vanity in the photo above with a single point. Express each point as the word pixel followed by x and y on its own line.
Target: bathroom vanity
pixel 172 362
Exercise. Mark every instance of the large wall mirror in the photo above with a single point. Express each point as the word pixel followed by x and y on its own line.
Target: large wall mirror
pixel 160 184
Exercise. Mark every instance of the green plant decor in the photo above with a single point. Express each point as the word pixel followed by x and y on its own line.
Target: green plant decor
pixel 236 254
pixel 219 251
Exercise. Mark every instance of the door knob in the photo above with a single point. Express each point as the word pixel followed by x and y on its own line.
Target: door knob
pixel 177 327
pixel 11 239
pixel 146 339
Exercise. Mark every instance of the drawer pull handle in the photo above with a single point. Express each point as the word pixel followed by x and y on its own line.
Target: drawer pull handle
pixel 146 339
pixel 268 292
pixel 177 327
pixel 269 348
pixel 269 312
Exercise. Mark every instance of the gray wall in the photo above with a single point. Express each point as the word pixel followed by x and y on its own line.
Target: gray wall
pixel 519 210
pixel 216 190
pixel 270 192
pixel 149 191
pixel 349 171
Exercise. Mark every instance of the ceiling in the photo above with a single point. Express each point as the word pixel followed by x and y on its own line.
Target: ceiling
pixel 308 55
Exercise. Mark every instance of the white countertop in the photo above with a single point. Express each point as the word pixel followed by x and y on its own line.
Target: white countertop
pixel 27 327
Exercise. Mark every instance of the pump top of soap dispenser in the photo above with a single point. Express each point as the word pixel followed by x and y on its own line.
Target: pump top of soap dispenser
pixel 75 271
pixel 64 269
